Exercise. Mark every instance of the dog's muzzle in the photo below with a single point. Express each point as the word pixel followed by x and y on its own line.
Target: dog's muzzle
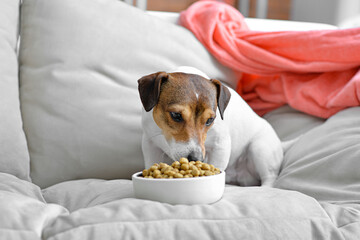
pixel 195 156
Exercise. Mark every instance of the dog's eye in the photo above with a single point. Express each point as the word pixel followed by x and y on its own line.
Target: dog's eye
pixel 176 116
pixel 209 121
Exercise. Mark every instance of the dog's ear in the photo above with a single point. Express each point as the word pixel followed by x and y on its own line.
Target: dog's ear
pixel 149 89
pixel 223 96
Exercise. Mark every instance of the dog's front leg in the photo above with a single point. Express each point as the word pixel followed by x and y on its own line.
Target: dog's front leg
pixel 152 153
pixel 218 148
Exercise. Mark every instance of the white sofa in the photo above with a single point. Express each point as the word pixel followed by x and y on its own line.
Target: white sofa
pixel 70 135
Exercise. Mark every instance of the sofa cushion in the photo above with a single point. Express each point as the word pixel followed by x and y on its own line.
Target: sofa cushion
pixel 14 156
pixel 80 62
pixel 324 162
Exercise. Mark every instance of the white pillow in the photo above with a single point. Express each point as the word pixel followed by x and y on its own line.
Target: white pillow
pixel 80 62
pixel 324 163
pixel 289 123
pixel 14 156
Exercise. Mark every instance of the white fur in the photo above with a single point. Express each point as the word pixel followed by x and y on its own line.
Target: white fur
pixel 243 144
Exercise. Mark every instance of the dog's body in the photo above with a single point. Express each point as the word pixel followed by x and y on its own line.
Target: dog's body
pixel 239 141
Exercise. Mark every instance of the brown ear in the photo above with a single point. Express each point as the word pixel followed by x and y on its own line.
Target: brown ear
pixel 223 96
pixel 149 89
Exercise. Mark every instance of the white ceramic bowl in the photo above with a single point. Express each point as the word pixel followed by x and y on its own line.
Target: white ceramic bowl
pixel 199 190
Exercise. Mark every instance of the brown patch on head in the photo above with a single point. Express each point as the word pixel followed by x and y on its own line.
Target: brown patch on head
pixel 195 99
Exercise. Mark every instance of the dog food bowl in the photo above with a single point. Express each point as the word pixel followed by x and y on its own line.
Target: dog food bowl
pixel 197 190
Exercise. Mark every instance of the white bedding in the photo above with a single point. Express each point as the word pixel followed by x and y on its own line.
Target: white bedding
pixel 24 212
pixel 101 209
pixel 242 212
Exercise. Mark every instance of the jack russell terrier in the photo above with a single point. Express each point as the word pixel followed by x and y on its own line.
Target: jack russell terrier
pixel 185 117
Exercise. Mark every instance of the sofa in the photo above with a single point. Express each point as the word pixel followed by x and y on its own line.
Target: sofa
pixel 70 135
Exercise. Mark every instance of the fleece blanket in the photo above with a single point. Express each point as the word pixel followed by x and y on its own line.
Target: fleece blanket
pixel 316 72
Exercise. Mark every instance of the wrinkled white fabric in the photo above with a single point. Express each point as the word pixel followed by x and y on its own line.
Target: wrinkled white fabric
pixel 242 213
pixel 107 210
pixel 23 212
pixel 85 193
pixel 10 183
pixel 346 217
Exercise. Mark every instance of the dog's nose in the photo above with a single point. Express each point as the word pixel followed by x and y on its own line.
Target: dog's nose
pixel 195 156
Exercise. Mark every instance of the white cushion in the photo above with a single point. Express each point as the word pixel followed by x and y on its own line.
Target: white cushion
pixel 324 163
pixel 290 123
pixel 80 62
pixel 14 156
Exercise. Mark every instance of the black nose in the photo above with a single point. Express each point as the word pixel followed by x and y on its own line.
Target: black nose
pixel 195 156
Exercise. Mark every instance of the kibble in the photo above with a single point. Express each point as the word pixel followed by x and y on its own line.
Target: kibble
pixel 180 169
pixel 184 166
pixel 183 160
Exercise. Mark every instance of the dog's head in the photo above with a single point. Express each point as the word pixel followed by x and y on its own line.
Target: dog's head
pixel 184 107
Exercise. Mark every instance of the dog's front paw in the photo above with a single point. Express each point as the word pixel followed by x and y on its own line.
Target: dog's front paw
pixel 268 181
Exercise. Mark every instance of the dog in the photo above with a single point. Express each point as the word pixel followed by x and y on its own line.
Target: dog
pixel 184 116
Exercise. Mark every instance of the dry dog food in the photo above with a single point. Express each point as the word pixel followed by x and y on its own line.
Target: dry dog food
pixel 180 169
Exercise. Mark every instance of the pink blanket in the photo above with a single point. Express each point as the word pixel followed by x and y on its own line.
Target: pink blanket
pixel 316 72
